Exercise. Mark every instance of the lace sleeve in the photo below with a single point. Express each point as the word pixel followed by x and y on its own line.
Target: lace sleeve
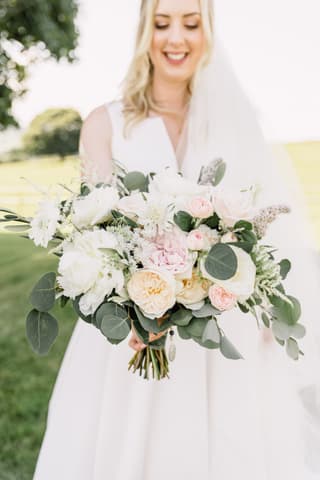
pixel 95 147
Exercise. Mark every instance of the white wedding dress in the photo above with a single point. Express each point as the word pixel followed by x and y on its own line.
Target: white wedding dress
pixel 214 419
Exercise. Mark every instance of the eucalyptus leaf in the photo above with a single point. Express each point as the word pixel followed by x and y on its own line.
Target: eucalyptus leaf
pixel 285 267
pixel 41 330
pixel 17 228
pixel 183 333
pixel 211 332
pixel 212 222
pixel 292 349
pixel 228 349
pixel 181 317
pixel 298 331
pixel 243 224
pixel 135 181
pixel 184 221
pixel 197 326
pixel 140 331
pixel 286 312
pixel 219 173
pixel 281 330
pixel 206 311
pixel 221 262
pixel 42 295
pixel 112 319
pixel 149 324
pixel 114 327
pixel 207 344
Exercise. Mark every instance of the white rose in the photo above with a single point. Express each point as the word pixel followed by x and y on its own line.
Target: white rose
pixel 45 222
pixel 107 281
pixel 233 206
pixel 78 272
pixel 242 283
pixel 95 207
pixel 132 205
pixel 91 241
pixel 169 182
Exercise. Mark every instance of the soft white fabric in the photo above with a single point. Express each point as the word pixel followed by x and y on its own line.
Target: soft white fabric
pixel 215 419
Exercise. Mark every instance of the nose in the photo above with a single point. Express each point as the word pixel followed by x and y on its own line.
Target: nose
pixel 175 34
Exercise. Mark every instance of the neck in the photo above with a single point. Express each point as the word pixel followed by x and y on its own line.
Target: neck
pixel 173 96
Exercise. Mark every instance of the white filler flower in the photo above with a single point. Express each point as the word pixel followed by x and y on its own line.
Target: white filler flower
pixel 45 222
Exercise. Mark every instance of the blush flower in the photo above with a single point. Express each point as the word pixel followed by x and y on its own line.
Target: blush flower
pixel 221 298
pixel 169 252
pixel 153 291
pixel 200 207
pixel 196 240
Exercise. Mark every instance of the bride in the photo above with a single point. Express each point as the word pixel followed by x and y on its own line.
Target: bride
pixel 257 418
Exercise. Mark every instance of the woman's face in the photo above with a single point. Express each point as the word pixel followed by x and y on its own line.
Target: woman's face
pixel 178 40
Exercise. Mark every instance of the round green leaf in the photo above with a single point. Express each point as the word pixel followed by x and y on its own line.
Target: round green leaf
pixel 292 348
pixel 42 296
pixel 75 303
pixel 148 324
pixel 184 221
pixel 197 326
pixel 211 332
pixel 41 330
pixel 281 330
pixel 298 331
pixel 285 267
pixel 183 333
pixel 286 312
pixel 229 350
pixel 135 181
pixel 112 319
pixel 182 317
pixel 206 311
pixel 221 262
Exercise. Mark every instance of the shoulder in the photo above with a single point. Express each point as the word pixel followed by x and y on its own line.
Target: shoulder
pixel 97 123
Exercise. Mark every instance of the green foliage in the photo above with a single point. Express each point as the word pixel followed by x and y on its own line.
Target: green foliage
pixel 113 321
pixel 221 262
pixel 44 27
pixel 136 181
pixel 42 330
pixel 55 131
pixel 42 296
pixel 26 379
pixel 184 220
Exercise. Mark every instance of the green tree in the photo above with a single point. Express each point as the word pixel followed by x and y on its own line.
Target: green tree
pixel 55 131
pixel 31 30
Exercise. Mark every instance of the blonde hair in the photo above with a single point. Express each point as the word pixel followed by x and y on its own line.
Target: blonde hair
pixel 136 87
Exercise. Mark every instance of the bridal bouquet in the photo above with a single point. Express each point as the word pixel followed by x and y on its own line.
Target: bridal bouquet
pixel 157 253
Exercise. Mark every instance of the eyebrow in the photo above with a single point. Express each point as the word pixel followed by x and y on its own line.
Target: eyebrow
pixel 168 16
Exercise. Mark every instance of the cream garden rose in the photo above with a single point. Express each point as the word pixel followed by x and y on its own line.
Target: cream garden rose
pixel 193 290
pixel 153 291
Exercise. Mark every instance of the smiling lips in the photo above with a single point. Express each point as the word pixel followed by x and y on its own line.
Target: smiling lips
pixel 176 58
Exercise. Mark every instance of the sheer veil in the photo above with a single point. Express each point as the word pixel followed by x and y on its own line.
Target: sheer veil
pixel 222 124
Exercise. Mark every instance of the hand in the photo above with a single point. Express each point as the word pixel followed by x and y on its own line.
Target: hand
pixel 137 344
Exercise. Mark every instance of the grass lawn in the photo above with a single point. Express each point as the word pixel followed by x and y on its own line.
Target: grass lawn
pixel 26 380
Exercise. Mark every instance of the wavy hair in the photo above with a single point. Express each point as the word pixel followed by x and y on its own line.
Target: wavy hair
pixel 136 86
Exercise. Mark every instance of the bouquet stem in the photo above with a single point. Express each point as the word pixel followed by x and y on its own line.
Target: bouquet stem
pixel 156 358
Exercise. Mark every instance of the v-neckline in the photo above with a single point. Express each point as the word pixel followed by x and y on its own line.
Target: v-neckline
pixel 169 141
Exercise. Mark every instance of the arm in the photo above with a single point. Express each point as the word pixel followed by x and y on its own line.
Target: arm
pixel 95 147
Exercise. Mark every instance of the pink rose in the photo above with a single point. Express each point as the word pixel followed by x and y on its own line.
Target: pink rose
pixel 200 207
pixel 196 240
pixel 221 298
pixel 170 252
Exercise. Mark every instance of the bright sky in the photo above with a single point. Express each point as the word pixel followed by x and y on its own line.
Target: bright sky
pixel 272 44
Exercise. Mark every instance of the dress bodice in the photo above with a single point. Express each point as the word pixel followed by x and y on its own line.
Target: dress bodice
pixel 147 148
